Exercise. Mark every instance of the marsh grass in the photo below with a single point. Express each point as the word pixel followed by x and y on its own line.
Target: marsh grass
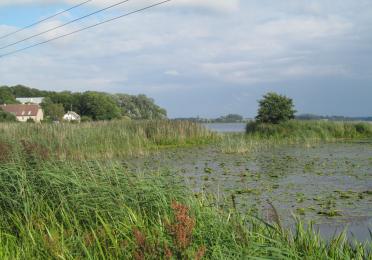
pixel 308 133
pixel 310 130
pixel 65 195
pixel 76 210
pixel 100 140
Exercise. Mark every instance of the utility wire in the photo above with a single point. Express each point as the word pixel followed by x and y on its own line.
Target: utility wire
pixel 45 19
pixel 86 28
pixel 63 25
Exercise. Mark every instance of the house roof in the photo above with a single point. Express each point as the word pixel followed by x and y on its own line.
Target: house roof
pixel 32 100
pixel 71 114
pixel 21 110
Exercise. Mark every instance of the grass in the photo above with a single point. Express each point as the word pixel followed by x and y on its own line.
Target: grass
pixel 76 210
pixel 66 195
pixel 310 130
pixel 263 136
pixel 100 140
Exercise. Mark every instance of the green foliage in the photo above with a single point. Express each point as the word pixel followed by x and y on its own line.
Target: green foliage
pixel 52 111
pixel 99 106
pixel 6 117
pixel 231 118
pixel 106 140
pixel 302 130
pixel 92 210
pixel 139 107
pixel 95 105
pixel 6 96
pixel 23 91
pixel 275 108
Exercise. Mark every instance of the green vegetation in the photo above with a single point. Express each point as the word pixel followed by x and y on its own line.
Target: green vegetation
pixel 98 140
pixel 6 117
pixel 67 194
pixel 62 198
pixel 308 130
pixel 230 118
pixel 275 108
pixel 91 105
pixel 92 210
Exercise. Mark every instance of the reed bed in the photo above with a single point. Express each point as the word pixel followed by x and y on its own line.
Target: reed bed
pixel 91 210
pixel 307 133
pixel 101 140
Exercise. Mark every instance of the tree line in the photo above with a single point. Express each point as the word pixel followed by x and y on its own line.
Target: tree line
pixel 90 105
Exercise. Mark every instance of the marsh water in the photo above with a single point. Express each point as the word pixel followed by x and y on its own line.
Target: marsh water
pixel 329 184
pixel 226 127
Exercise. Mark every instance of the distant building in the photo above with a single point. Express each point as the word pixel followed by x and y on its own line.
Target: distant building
pixel 71 116
pixel 25 112
pixel 30 100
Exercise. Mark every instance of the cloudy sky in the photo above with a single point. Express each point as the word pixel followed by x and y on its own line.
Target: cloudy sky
pixel 201 57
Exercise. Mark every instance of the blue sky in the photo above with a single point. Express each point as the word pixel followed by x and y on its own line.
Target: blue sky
pixel 203 57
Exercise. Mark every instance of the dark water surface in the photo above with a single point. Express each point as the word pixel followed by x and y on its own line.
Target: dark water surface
pixel 329 184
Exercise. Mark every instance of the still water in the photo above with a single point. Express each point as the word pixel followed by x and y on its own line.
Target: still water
pixel 328 184
pixel 226 127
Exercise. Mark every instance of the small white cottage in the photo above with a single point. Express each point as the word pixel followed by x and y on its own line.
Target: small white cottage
pixel 71 116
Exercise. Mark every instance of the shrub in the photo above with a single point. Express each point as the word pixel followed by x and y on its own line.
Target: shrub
pixel 275 108
pixel 7 117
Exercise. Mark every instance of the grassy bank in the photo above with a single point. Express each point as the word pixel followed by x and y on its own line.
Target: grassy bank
pixel 305 130
pixel 262 136
pixel 101 211
pixel 99 140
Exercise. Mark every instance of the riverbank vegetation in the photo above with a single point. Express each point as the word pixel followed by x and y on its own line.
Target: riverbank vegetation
pixel 100 140
pixel 307 130
pixel 91 210
pixel 67 194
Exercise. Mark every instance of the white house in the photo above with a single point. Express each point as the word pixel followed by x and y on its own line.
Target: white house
pixel 71 116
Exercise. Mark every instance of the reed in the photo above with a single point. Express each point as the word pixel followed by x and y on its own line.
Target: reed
pixel 102 140
pixel 79 210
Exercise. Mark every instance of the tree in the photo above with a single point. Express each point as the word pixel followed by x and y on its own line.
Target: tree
pixel 53 111
pixel 99 106
pixel 230 118
pixel 139 107
pixel 7 117
pixel 275 108
pixel 6 96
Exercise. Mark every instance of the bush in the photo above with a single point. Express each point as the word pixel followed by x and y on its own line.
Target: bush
pixel 7 117
pixel 275 108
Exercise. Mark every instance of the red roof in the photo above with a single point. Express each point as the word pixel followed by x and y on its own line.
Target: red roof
pixel 21 110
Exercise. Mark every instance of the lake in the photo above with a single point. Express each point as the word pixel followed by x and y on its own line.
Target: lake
pixel 329 184
pixel 226 127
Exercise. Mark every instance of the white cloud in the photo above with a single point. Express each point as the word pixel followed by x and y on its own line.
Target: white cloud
pixel 222 5
pixel 160 52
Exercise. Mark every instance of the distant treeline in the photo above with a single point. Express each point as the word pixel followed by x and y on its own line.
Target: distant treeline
pixel 230 118
pixel 332 118
pixel 90 105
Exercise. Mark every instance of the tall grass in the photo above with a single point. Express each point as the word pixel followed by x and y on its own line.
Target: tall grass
pixel 101 140
pixel 307 130
pixel 262 136
pixel 91 210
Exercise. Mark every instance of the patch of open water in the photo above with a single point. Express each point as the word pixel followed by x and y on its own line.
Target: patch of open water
pixel 329 184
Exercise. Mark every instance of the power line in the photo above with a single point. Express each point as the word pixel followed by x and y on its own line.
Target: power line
pixel 85 28
pixel 45 19
pixel 63 25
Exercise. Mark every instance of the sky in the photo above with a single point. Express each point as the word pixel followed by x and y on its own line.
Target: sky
pixel 202 58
